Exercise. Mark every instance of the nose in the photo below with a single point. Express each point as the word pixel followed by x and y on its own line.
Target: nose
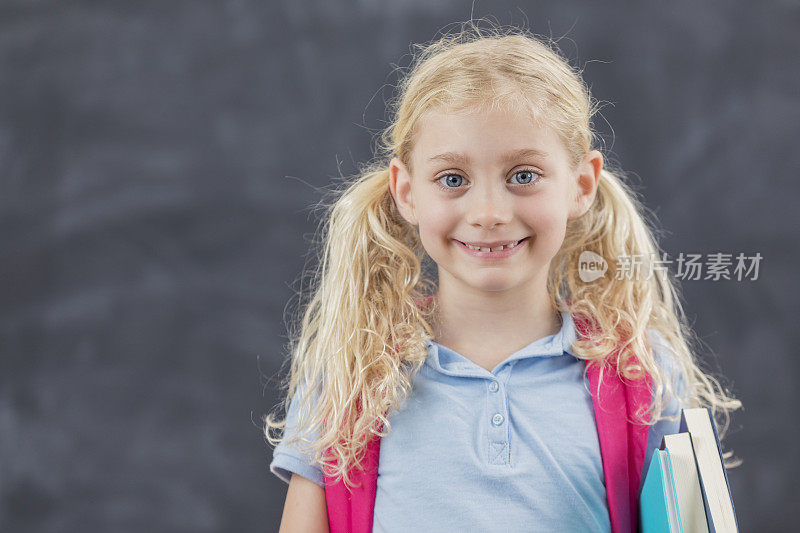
pixel 489 207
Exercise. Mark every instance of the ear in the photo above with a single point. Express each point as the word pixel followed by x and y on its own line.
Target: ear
pixel 400 187
pixel 587 179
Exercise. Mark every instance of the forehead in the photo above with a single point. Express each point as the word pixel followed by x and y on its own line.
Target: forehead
pixel 488 131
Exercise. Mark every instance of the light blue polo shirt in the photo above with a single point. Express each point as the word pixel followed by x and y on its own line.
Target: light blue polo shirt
pixel 514 449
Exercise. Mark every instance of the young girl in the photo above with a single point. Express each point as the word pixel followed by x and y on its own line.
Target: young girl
pixel 473 403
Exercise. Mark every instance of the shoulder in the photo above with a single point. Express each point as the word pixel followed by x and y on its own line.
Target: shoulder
pixel 665 355
pixel 667 359
pixel 293 454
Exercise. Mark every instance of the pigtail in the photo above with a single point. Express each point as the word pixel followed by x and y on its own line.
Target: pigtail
pixel 362 336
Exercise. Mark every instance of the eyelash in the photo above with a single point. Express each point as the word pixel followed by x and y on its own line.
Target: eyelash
pixel 532 183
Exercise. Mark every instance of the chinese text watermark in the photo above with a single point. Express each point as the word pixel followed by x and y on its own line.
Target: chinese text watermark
pixel 714 266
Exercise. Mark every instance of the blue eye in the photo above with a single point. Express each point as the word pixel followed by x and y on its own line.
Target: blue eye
pixel 452 180
pixel 529 176
pixel 525 178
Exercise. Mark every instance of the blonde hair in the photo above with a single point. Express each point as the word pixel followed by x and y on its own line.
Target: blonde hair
pixel 363 335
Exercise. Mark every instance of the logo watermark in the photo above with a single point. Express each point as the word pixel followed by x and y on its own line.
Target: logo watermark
pixel 714 266
pixel 591 266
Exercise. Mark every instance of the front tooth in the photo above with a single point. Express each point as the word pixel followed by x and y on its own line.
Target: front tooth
pixel 485 249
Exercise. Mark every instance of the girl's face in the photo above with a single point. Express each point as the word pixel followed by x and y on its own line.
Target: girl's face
pixel 491 178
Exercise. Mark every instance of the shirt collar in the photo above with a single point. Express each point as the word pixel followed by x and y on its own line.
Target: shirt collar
pixel 446 360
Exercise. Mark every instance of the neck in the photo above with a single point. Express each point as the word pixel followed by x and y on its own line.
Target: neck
pixel 486 327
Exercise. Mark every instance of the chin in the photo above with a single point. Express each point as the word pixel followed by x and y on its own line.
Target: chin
pixel 494 285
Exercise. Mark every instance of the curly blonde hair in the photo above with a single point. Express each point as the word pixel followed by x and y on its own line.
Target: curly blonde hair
pixel 363 334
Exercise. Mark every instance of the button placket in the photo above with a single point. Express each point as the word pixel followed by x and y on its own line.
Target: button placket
pixel 498 431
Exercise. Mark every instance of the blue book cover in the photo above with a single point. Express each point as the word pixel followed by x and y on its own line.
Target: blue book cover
pixel 658 506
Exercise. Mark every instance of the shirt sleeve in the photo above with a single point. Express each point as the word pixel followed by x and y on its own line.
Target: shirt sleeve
pixel 666 360
pixel 289 458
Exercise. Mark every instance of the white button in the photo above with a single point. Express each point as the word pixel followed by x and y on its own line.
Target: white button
pixel 497 419
pixel 493 386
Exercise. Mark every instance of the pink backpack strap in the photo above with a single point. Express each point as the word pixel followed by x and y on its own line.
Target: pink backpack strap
pixel 350 510
pixel 622 442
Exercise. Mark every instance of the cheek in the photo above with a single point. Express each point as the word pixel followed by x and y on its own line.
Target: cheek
pixel 435 223
pixel 548 221
pixel 545 215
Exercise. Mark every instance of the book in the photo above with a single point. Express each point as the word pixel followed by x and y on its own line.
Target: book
pixel 688 493
pixel 658 510
pixel 716 490
pixel 686 487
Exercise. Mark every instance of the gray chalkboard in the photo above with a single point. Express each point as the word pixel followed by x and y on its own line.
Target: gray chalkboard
pixel 159 161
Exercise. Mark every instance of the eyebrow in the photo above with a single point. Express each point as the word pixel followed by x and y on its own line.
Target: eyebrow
pixel 457 158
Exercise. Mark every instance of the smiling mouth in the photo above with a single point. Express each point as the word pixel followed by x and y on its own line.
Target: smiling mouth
pixel 494 249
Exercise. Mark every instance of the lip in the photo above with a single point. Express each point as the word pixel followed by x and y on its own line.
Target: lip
pixel 500 254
